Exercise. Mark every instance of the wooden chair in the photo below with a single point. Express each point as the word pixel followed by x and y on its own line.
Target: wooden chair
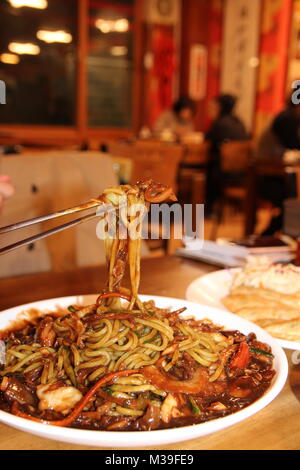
pixel 235 160
pixel 156 160
pixel 195 154
pixel 192 174
pixel 159 161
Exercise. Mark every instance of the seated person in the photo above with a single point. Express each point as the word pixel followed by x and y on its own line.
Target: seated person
pixel 282 134
pixel 226 126
pixel 178 120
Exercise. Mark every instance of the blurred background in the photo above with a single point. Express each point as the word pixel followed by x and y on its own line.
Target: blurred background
pixel 194 93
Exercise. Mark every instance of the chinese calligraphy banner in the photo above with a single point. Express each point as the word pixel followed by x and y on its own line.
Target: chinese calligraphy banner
pixel 274 57
pixel 240 54
pixel 198 72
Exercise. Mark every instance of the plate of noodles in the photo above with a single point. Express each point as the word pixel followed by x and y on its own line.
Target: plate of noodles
pixel 118 381
pixel 262 292
pixel 124 370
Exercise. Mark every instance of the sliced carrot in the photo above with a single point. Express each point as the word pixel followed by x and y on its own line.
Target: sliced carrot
pixel 109 295
pixel 241 358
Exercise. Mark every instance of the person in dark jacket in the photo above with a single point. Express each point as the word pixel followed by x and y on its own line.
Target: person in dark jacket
pixel 282 134
pixel 286 126
pixel 225 127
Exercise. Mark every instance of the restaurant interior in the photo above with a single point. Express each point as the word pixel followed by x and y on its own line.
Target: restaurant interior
pixel 201 96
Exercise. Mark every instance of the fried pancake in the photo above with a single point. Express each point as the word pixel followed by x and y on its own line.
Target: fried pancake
pixel 277 313
pixel 289 330
pixel 289 299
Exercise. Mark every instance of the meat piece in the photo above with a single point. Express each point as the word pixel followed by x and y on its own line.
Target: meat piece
pixel 260 358
pixel 120 425
pixel 14 390
pixel 169 408
pixel 45 333
pixel 61 399
pixel 120 263
pixel 217 406
pixel 151 419
pixel 156 192
pixel 165 382
pixel 237 336
pixel 241 387
pixel 185 368
pixel 33 375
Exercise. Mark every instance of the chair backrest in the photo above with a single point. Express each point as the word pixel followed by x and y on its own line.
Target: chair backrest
pixel 236 156
pixel 196 154
pixel 119 148
pixel 156 160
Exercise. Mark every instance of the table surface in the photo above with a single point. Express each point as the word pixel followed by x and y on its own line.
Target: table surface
pixel 275 427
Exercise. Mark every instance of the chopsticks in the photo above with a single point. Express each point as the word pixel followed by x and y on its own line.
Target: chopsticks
pixel 25 223
pixel 39 236
pixel 54 215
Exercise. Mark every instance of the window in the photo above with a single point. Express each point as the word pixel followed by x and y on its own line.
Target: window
pixel 38 61
pixel 110 63
pixel 69 67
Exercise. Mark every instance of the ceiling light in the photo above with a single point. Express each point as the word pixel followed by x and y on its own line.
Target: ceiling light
pixel 7 58
pixel 54 36
pixel 112 26
pixel 24 48
pixel 105 26
pixel 40 4
pixel 118 51
pixel 122 25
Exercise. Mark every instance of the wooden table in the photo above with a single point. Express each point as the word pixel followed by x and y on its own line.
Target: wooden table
pixel 275 427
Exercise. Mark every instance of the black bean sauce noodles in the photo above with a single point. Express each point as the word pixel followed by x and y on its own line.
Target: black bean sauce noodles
pixel 126 365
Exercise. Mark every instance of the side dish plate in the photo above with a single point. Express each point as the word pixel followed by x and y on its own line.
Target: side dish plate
pixel 211 288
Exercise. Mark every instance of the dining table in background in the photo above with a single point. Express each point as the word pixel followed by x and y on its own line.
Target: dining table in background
pixel 275 427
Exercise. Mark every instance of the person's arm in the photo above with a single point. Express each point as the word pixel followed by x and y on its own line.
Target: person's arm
pixel 6 189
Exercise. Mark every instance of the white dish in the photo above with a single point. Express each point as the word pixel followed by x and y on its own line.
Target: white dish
pixel 160 437
pixel 211 288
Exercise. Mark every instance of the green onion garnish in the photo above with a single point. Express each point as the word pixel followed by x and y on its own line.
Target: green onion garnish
pixel 72 309
pixel 195 408
pixel 261 351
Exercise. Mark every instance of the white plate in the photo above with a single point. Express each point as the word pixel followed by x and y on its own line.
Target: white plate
pixel 160 437
pixel 211 288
